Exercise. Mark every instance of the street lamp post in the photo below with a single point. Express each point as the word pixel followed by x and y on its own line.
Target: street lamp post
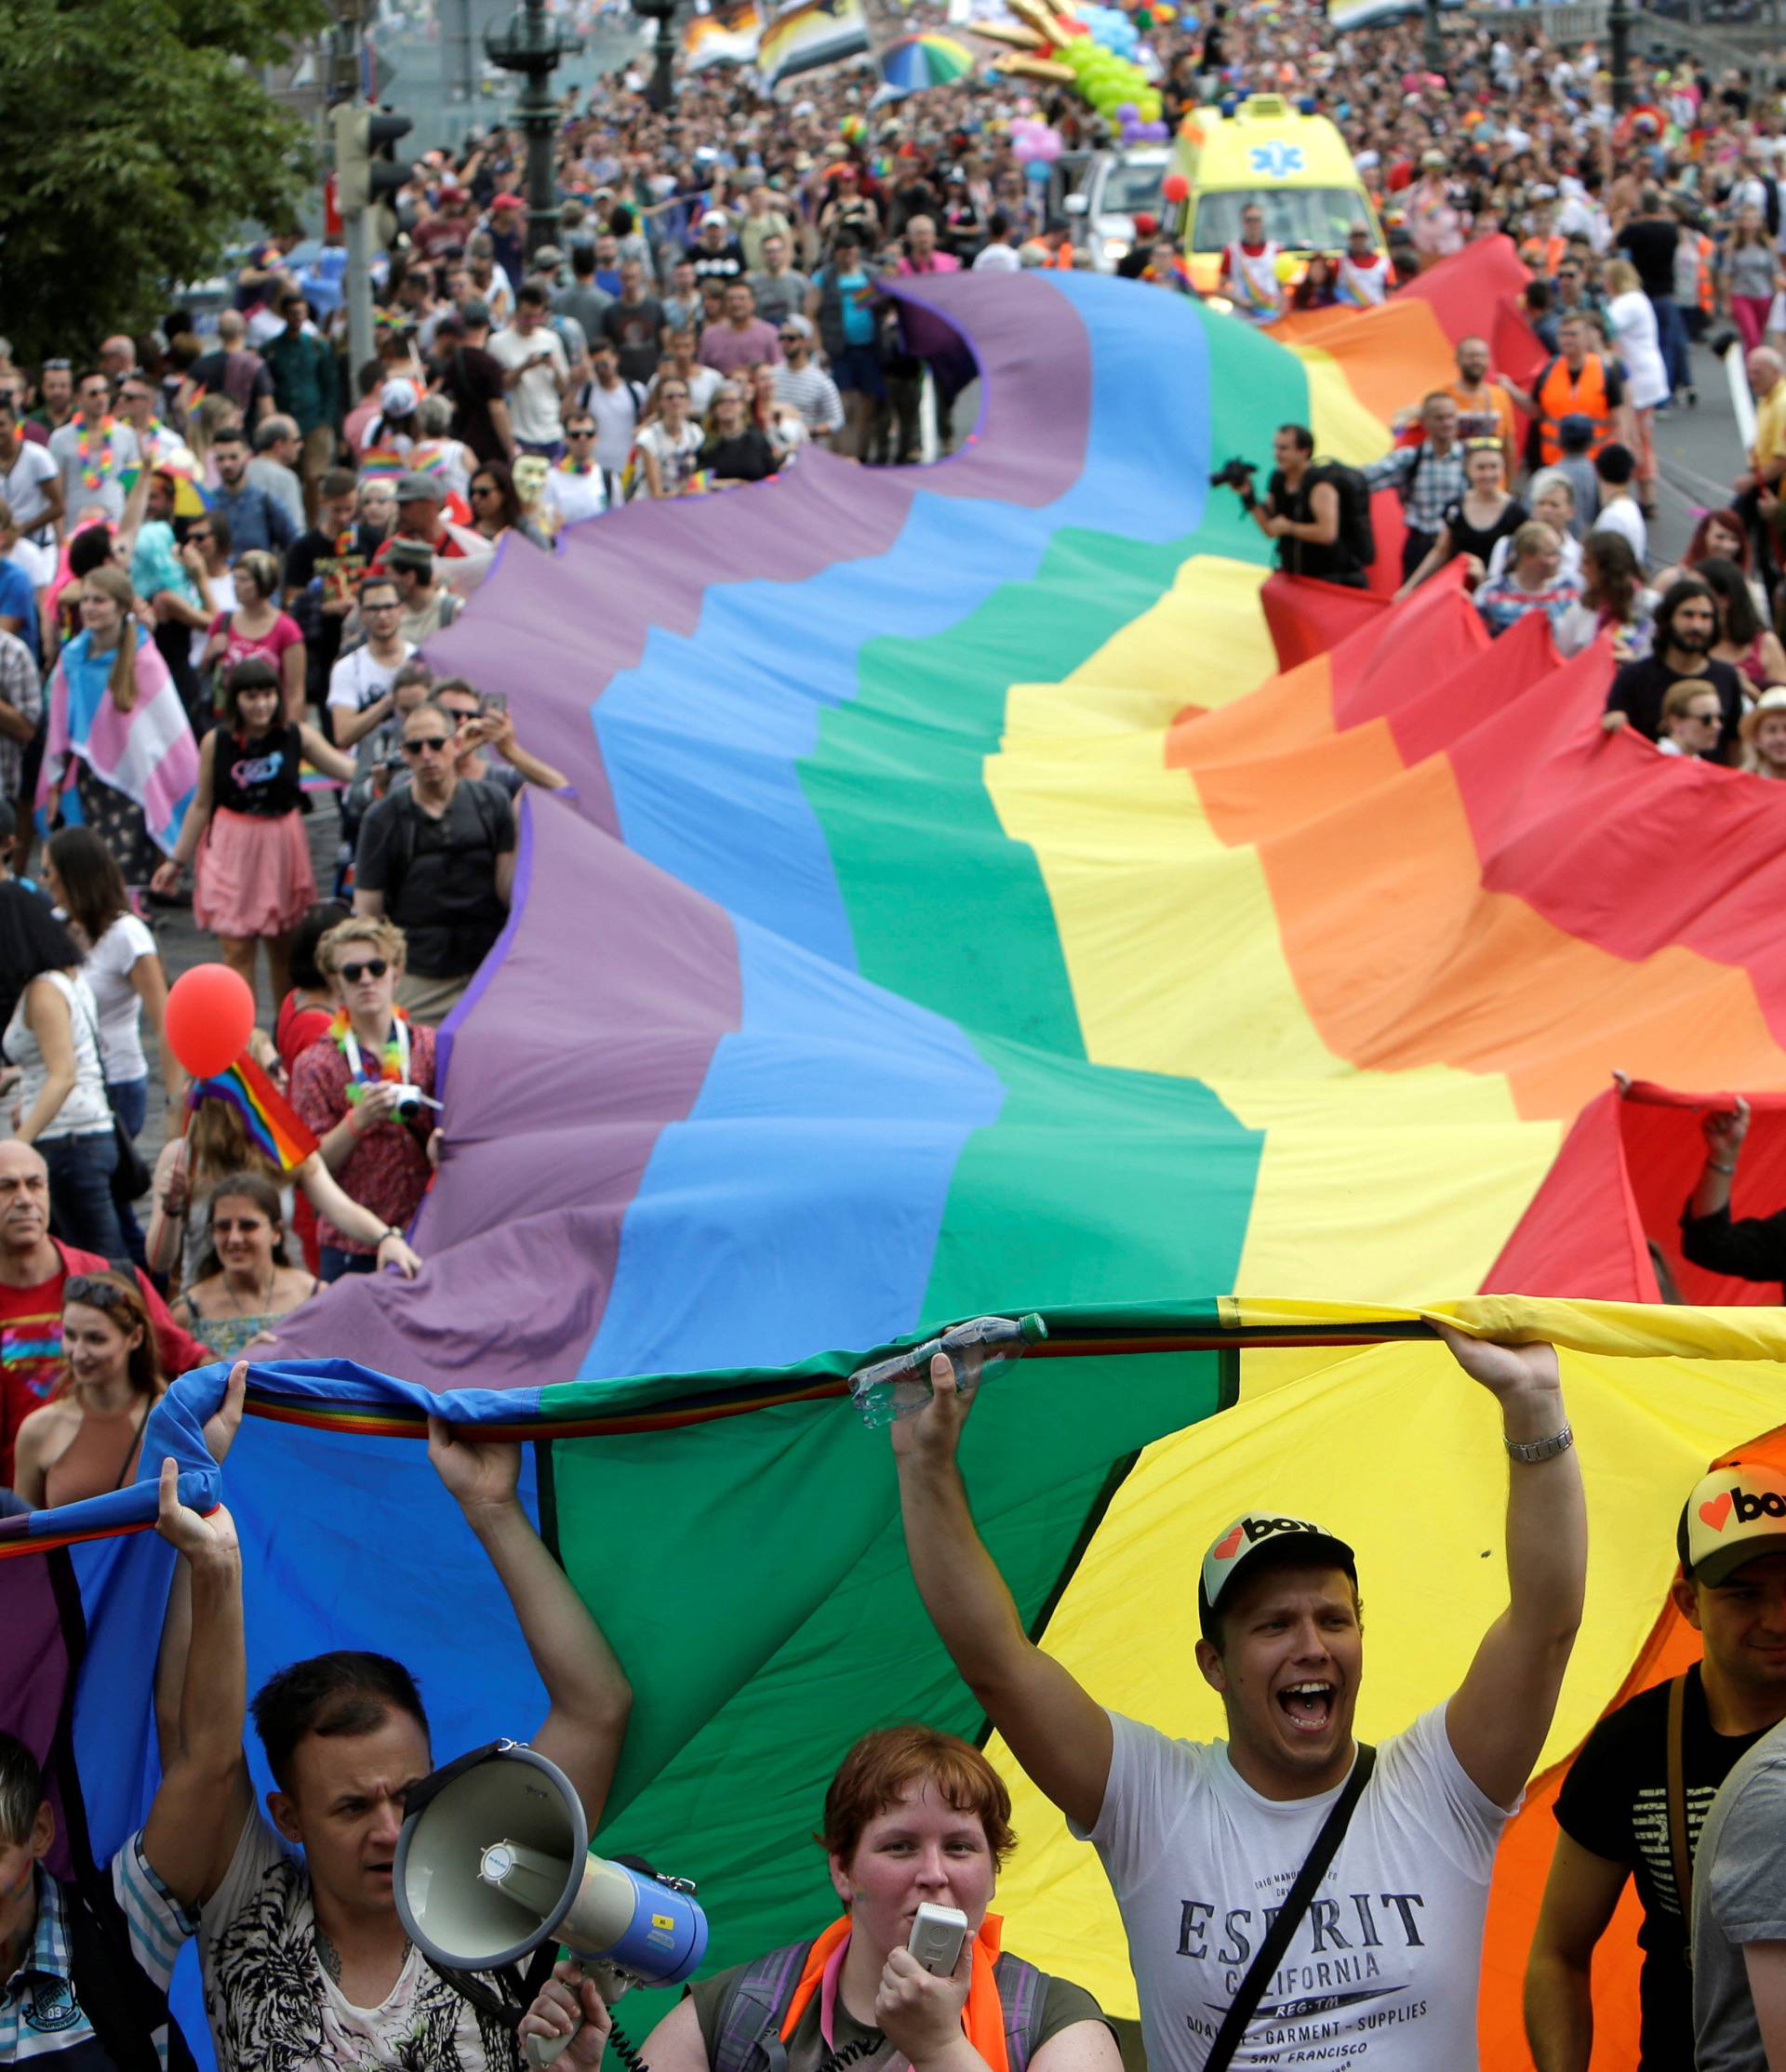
pixel 1619 29
pixel 1434 38
pixel 661 90
pixel 533 46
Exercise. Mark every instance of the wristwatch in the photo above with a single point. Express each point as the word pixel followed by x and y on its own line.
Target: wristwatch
pixel 390 1231
pixel 1532 1450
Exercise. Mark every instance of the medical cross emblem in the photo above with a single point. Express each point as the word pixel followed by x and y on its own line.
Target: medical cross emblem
pixel 1278 161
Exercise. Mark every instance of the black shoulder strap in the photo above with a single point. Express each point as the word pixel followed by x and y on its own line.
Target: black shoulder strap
pixel 1289 1916
pixel 120 2001
pixel 1680 1851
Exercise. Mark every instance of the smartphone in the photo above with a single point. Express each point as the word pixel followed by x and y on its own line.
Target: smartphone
pixel 938 1933
pixel 496 701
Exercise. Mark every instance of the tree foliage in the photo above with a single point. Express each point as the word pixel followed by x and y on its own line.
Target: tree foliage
pixel 138 139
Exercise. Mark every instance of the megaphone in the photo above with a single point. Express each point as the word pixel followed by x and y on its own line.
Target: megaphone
pixel 494 1859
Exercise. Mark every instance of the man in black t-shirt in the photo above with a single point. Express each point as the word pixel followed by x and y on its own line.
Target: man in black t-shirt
pixel 1649 241
pixel 633 324
pixel 1301 511
pixel 1687 630
pixel 439 858
pixel 1614 1807
pixel 472 380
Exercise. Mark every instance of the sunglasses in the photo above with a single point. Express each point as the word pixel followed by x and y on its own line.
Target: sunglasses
pixel 581 432
pixel 96 1294
pixel 374 967
pixel 439 742
pixel 485 489
pixel 200 537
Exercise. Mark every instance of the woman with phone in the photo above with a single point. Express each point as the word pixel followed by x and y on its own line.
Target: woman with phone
pixel 917 1826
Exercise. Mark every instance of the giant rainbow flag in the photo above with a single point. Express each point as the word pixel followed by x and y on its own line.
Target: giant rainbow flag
pixel 987 889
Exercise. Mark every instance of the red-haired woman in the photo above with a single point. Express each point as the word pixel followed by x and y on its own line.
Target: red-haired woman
pixel 911 1816
pixel 1719 536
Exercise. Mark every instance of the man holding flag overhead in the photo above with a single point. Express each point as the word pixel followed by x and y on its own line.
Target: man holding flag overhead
pixel 1235 1959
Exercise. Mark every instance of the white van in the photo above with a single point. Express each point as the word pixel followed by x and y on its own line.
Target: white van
pixel 1118 186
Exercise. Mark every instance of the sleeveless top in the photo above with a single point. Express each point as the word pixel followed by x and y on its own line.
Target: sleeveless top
pixel 257 775
pixel 87 1111
pixel 101 1457
pixel 1479 540
pixel 228 1336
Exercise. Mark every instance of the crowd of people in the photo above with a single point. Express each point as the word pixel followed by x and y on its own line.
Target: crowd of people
pixel 222 560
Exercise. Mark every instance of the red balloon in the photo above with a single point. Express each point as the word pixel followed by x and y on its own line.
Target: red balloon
pixel 209 1019
pixel 1175 187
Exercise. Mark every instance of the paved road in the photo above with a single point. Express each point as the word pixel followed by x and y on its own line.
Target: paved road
pixel 1699 451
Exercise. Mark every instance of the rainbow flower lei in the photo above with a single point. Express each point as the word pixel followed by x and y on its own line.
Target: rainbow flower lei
pixel 390 1059
pixel 93 474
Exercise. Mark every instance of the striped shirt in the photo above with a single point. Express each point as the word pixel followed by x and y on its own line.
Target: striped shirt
pixel 22 688
pixel 42 2023
pixel 812 393
pixel 1428 482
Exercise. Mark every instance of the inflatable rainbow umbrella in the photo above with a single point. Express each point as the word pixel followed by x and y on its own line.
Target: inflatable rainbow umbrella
pixel 987 889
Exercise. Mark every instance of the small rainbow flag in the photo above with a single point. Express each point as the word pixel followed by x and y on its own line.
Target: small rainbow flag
pixel 272 1125
pixel 191 499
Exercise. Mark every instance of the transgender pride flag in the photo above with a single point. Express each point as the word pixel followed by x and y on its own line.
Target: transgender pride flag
pixel 148 753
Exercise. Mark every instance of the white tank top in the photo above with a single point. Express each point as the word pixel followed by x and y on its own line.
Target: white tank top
pixel 87 1111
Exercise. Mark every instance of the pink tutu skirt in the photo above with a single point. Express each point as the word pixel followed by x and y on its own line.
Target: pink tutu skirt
pixel 254 876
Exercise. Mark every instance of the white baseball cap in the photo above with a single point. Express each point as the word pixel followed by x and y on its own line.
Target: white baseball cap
pixel 1260 1538
pixel 1736 1514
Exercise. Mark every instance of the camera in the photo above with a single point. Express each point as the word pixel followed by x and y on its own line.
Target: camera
pixel 1234 474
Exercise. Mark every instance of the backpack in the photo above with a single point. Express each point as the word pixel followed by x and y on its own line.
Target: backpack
pixel 402 852
pixel 748 2018
pixel 1357 536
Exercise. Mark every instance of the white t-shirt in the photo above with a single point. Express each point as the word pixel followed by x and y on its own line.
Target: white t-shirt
pixel 533 401
pixel 359 680
pixel 31 467
pixel 999 257
pixel 1383 1966
pixel 108 492
pixel 677 458
pixel 271 2003
pixel 616 412
pixel 576 496
pixel 1624 514
pixel 107 971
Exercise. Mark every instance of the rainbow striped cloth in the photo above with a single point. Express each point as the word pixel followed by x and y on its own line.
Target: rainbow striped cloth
pixel 987 888
pixel 273 1126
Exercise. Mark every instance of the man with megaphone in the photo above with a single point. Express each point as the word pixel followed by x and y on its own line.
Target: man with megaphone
pixel 307 1967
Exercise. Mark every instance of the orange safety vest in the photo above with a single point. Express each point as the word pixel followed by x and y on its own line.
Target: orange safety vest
pixel 1544 255
pixel 983 2019
pixel 1560 395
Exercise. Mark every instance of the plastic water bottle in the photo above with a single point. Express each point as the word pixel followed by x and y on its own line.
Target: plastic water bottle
pixel 896 1387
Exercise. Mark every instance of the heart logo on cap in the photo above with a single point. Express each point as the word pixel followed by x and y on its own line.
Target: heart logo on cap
pixel 1225 1547
pixel 1715 1511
